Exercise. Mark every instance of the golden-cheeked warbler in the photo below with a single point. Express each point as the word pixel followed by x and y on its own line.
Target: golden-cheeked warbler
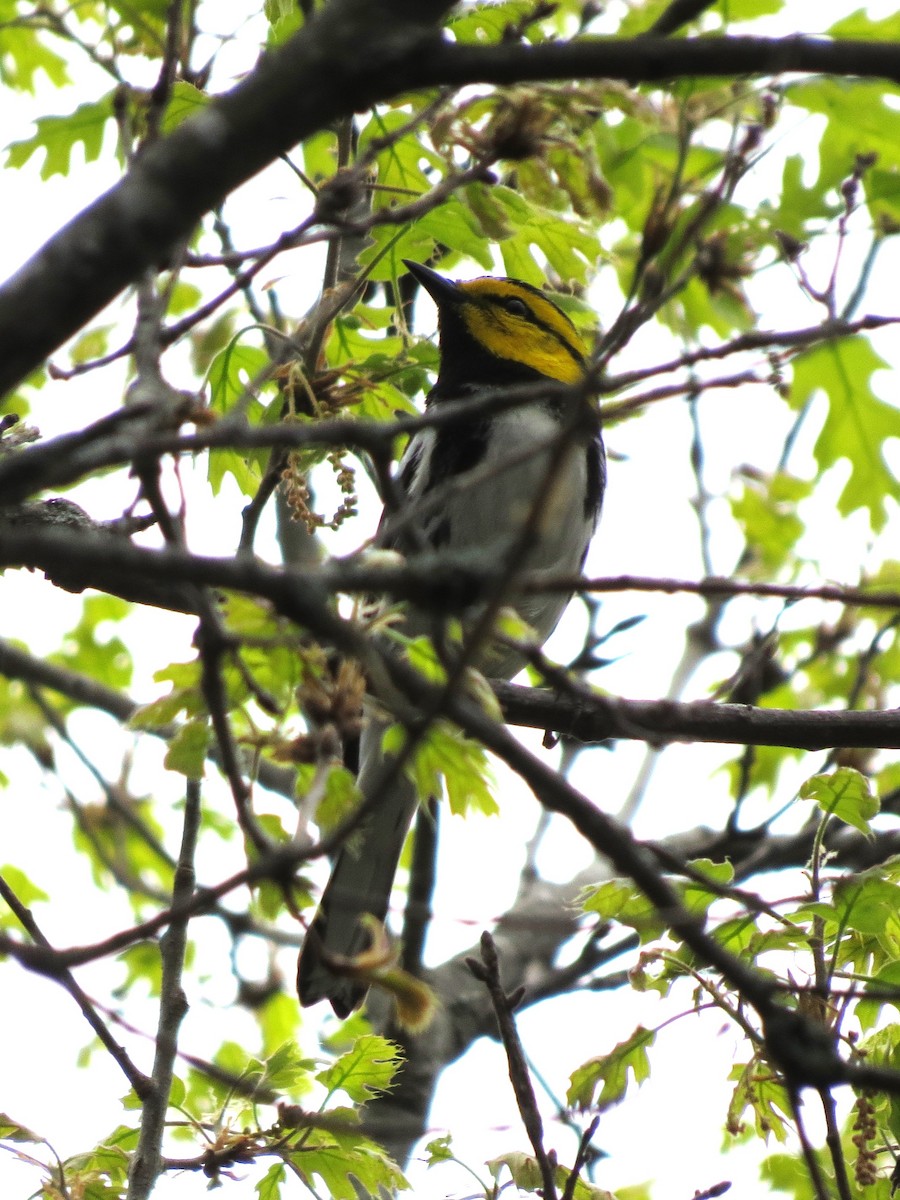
pixel 522 479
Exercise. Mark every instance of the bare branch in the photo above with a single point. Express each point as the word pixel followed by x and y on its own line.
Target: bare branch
pixel 655 59
pixel 593 718
pixel 124 569
pixel 488 972
pixel 146 1164
pixel 137 1080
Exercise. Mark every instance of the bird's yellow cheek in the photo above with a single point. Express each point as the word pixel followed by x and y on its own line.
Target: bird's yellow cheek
pixel 514 339
pixel 544 355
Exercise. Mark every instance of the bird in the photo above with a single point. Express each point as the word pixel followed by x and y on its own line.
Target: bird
pixel 523 481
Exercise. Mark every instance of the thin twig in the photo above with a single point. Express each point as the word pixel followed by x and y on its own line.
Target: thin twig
pixel 16 663
pixel 146 1164
pixel 810 1157
pixel 584 1150
pixel 487 971
pixel 139 1082
pixel 835 1148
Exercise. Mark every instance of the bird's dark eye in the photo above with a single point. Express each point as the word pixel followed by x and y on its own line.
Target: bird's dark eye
pixel 516 306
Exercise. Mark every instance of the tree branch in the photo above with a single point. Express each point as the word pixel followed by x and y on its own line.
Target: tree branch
pixel 117 566
pixel 487 971
pixel 145 1166
pixel 654 59
pixel 593 718
pixel 315 78
pixel 139 1082
pixel 16 663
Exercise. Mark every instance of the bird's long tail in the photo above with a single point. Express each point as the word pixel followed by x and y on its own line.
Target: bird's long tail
pixel 361 881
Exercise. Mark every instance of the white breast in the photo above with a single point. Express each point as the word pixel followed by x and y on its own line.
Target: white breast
pixel 524 501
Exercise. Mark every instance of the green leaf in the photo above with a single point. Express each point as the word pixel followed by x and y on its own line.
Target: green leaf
pixel 273 827
pixel 638 18
pixel 286 26
pixel 278 1019
pixel 860 119
pixel 269 1187
pixel 422 655
pixel 887 979
pixel 286 1070
pixel 269 654
pixel 26 892
pixel 345 1166
pixel 91 344
pixel 367 1069
pixel 387 248
pixel 187 749
pixel 610 1072
pixel 22 721
pixel 789 1174
pixel 698 898
pixel 230 379
pixel 57 137
pixel 268 900
pixel 845 794
pixel 619 901
pixel 439 1150
pixel 758 1089
pixel 277 10
pixel 233 373
pixel 736 935
pixel 160 713
pixel 319 151
pixel 454 225
pixel 12 1131
pixel 528 1177
pixel 858 424
pixel 491 215
pixel 447 754
pixel 362 337
pixel 570 246
pixel 882 1049
pixel 183 297
pixel 870 904
pixel 185 101
pixel 25 53
pixel 488 22
pixel 142 963
pixel 748 10
pixel 94 650
pixel 766 510
pixel 798 205
pixel 187 693
pixel 467 775
pixel 860 24
pixel 341 798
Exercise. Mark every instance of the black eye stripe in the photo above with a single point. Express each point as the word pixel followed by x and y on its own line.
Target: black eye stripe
pixel 488 301
pixel 535 320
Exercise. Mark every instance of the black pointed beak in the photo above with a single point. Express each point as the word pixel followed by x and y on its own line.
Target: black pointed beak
pixel 441 290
